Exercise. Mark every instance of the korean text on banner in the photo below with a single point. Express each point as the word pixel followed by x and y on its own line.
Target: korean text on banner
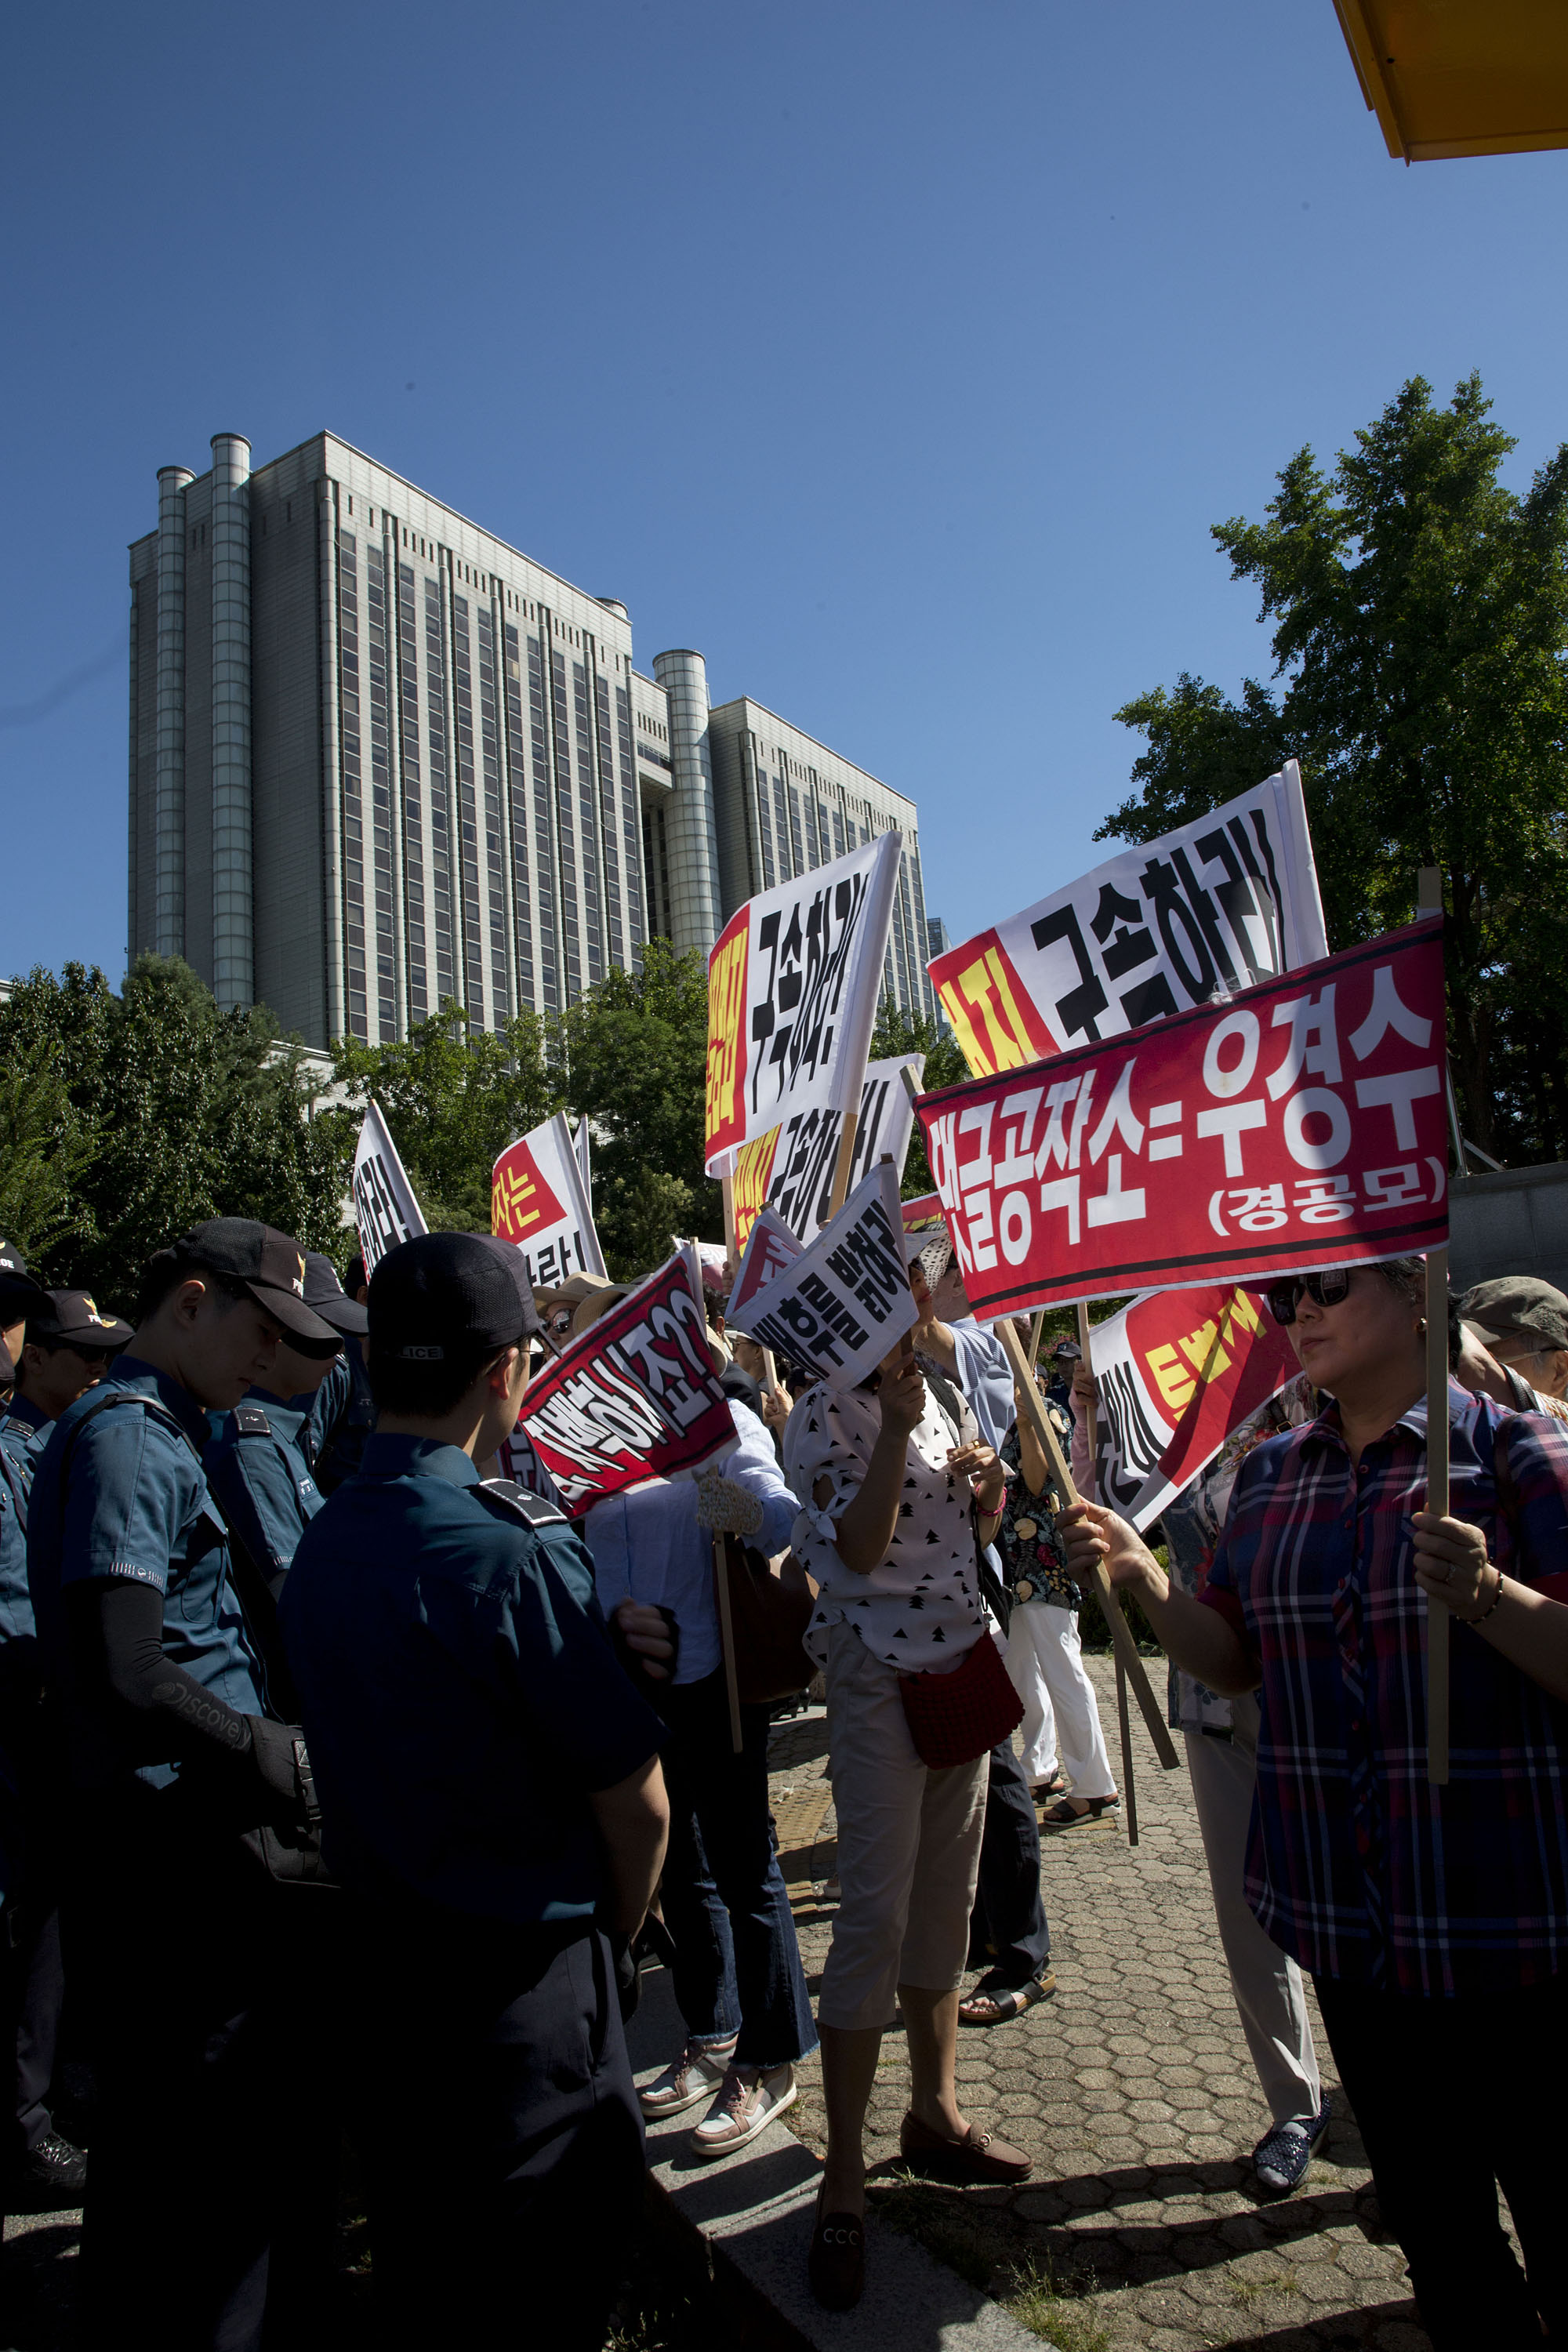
pixel 770 1248
pixel 793 982
pixel 840 1305
pixel 1301 1124
pixel 635 1396
pixel 386 1211
pixel 1177 1371
pixel 1230 901
pixel 539 1200
pixel 792 1167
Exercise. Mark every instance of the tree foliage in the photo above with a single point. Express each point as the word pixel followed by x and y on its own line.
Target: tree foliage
pixel 1421 647
pixel 126 1120
pixel 898 1032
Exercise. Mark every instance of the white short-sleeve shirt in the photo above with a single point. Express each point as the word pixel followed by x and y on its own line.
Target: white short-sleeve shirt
pixel 920 1609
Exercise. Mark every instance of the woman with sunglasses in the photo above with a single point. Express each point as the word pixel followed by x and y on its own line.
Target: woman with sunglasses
pixel 1434 1921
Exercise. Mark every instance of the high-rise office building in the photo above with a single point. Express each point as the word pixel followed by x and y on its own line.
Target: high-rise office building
pixel 379 758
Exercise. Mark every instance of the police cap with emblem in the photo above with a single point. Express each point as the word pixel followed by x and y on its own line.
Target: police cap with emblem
pixel 268 1265
pixel 450 1293
pixel 72 1320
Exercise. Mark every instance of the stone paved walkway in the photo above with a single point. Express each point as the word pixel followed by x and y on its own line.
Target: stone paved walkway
pixel 1132 2090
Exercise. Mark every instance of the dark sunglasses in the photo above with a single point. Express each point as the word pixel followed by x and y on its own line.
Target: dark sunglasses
pixel 1325 1289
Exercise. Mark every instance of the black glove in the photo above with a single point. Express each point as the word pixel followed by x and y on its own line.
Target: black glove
pixel 628 1978
pixel 277 1767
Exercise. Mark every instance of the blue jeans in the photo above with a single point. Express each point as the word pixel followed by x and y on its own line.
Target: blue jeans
pixel 1009 1936
pixel 737 1964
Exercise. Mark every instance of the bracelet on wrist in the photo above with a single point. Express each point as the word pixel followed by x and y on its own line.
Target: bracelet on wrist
pixel 1492 1603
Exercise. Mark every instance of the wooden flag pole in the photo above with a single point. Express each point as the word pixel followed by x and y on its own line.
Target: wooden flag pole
pixel 1438 1618
pixel 727 1187
pixel 1036 1327
pixel 844 1161
pixel 1129 1789
pixel 1121 1632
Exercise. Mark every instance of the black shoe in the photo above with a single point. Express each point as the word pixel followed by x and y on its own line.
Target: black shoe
pixel 51 2175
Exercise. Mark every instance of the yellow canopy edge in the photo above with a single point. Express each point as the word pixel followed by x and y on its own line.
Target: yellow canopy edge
pixel 1461 77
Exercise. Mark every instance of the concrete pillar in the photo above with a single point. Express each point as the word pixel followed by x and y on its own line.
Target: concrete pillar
pixel 690 833
pixel 169 770
pixel 233 963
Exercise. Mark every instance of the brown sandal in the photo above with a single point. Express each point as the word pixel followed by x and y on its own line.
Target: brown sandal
pixel 1064 1816
pixel 836 2265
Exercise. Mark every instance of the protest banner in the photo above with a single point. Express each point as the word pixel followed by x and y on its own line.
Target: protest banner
pixel 1224 904
pixel 1178 1371
pixel 539 1200
pixel 770 1249
pixel 386 1211
pixel 838 1307
pixel 1299 1124
pixel 793 982
pixel 923 1211
pixel 635 1396
pixel 792 1168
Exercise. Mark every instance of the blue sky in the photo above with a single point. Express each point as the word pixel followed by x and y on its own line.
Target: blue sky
pixel 898 356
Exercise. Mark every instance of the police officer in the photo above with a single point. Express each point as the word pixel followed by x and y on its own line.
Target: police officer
pixel 67 1348
pixel 494 1809
pixel 257 1466
pixel 19 1291
pixel 184 1787
pixel 342 1411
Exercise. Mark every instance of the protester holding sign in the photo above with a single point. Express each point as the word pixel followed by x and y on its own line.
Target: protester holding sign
pixel 652 1546
pixel 891 1513
pixel 1434 1920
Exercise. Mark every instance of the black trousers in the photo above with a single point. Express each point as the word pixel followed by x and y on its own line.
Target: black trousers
pixel 1008 1930
pixel 493 2110
pixel 1454 2097
pixel 211 2197
pixel 32 1996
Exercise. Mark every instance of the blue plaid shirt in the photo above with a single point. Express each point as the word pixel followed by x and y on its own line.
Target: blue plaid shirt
pixel 1355 1865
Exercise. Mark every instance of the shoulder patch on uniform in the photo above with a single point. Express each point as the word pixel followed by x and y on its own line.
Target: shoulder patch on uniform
pixel 529 1506
pixel 251 1422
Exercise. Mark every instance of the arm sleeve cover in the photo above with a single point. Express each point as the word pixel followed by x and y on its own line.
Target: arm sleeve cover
pixel 164 1712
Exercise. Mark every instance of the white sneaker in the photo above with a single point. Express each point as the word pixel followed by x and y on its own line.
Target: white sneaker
pixel 745 2105
pixel 687 2079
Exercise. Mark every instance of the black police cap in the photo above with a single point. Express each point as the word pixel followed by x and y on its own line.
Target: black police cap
pixel 266 1264
pixel 325 1296
pixel 449 1294
pixel 73 1317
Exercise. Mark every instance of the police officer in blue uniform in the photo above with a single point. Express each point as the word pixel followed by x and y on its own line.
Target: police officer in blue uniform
pixel 257 1466
pixel 342 1411
pixel 67 1346
pixel 494 1809
pixel 188 1797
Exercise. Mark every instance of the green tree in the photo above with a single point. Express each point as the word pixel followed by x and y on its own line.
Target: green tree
pixel 898 1032
pixel 454 1097
pixel 1421 621
pixel 633 1052
pixel 166 1111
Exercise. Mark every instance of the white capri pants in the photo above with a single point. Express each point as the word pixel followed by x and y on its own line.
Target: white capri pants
pixel 1045 1659
pixel 908 1848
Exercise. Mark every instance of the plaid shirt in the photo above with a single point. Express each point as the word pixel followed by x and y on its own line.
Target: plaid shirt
pixel 1355 1865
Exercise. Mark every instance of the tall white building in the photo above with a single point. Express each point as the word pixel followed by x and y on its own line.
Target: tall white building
pixel 379 758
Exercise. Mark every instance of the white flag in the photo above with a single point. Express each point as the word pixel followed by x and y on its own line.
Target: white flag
pixel 539 1200
pixel 840 1307
pixel 385 1209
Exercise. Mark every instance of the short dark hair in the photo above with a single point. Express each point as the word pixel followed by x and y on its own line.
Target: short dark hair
pixel 164 1273
pixel 425 1391
pixel 1407 1276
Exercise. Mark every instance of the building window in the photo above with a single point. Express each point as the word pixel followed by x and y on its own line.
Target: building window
pixel 440 797
pixel 380 786
pixel 516 774
pixel 467 814
pixel 609 829
pixel 631 832
pixel 543 828
pixel 351 841
pixel 489 761
pixel 593 916
pixel 413 816
pixel 566 823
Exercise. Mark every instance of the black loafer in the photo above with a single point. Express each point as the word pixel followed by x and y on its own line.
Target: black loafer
pixel 50 2176
pixel 836 2265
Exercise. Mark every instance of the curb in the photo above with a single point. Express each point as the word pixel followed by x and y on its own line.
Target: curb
pixel 752 2212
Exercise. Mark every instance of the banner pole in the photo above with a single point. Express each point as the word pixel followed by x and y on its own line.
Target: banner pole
pixel 845 1160
pixel 1086 1347
pixel 727 1639
pixel 1437 1618
pixel 727 1188
pixel 1036 1328
pixel 1121 1632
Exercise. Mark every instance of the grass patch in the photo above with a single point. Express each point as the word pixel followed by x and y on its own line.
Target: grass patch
pixel 1249 2291
pixel 1037 2302
pixel 988 2249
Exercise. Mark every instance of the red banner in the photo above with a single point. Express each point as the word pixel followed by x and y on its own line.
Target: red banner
pixel 635 1397
pixel 1300 1123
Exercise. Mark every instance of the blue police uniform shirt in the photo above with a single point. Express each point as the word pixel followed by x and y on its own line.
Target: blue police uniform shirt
pixel 20 1446
pixel 460 1697
pixel 135 1504
pixel 22 1413
pixel 261 1479
pixel 337 1420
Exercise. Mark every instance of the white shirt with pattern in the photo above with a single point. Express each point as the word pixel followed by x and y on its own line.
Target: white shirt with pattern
pixel 920 1609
